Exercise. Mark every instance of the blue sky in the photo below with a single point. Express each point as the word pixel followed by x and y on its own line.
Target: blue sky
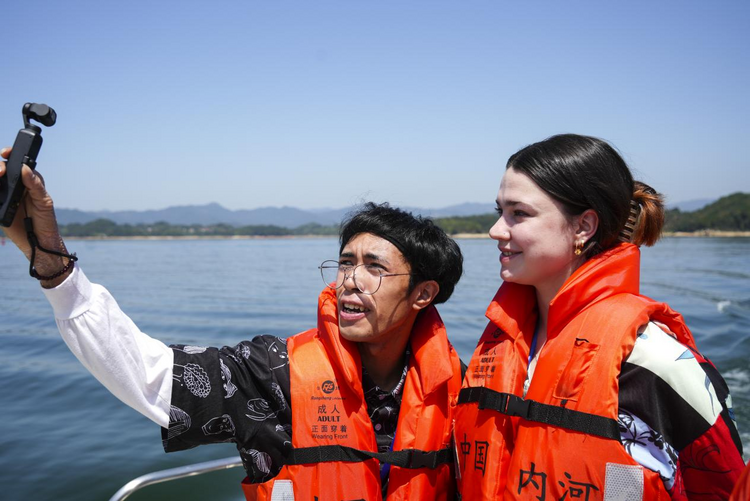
pixel 327 103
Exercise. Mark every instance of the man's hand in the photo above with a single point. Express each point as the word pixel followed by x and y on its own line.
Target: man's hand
pixel 39 207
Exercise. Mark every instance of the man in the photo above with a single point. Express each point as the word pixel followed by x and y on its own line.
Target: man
pixel 357 408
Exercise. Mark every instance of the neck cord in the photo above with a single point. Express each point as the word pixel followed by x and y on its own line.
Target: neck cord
pixel 532 349
pixel 385 468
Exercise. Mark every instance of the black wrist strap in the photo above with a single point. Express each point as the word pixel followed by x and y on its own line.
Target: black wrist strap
pixel 34 243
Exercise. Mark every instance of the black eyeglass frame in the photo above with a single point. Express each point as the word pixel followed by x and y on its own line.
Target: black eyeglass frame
pixel 352 272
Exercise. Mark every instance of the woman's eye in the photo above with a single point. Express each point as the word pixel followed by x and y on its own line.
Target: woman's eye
pixel 499 211
pixel 519 213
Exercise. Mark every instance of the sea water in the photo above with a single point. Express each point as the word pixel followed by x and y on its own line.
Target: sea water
pixel 63 436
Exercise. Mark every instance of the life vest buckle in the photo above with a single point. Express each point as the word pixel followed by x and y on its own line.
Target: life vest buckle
pixel 421 459
pixel 517 406
pixel 507 403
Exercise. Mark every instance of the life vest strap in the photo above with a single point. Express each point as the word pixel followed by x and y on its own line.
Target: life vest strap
pixel 406 458
pixel 513 405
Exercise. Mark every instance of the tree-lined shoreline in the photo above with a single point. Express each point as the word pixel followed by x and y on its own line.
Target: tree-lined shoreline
pixel 728 216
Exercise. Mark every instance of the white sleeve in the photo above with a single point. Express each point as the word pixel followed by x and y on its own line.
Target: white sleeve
pixel 136 368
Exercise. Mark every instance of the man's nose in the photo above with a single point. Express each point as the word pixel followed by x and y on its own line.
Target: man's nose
pixel 349 282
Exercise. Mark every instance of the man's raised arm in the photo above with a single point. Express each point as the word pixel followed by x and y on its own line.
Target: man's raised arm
pixel 134 367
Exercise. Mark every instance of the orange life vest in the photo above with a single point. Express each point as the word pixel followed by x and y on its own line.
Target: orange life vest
pixel 741 491
pixel 332 434
pixel 562 440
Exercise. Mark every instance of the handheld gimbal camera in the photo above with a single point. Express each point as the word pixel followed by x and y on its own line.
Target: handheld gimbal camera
pixel 25 150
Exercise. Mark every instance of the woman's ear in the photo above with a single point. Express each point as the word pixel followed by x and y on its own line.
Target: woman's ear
pixel 588 223
pixel 424 293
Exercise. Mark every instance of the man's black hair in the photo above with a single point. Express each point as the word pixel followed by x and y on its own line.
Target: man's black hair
pixel 430 252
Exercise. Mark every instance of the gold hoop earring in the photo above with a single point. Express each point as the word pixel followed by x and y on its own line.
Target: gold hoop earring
pixel 579 247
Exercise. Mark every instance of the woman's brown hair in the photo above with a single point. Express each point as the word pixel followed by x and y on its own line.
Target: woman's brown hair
pixel 583 172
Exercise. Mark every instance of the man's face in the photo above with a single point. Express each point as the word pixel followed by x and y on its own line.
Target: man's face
pixel 389 313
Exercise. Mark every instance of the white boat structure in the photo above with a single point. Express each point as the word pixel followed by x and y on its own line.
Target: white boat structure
pixel 174 474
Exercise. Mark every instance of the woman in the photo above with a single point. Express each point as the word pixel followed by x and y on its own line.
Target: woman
pixel 742 489
pixel 580 387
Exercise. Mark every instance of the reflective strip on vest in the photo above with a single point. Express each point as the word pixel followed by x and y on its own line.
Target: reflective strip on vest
pixel 283 490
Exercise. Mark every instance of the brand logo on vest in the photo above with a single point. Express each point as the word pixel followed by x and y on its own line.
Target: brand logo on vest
pixel 328 387
pixel 492 336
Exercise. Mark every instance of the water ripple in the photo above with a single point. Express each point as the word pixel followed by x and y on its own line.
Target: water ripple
pixel 235 290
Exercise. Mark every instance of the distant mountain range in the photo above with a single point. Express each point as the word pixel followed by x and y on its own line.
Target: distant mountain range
pixel 286 217
pixel 691 205
pixel 729 213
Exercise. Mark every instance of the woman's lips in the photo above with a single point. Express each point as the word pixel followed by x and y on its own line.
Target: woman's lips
pixel 507 255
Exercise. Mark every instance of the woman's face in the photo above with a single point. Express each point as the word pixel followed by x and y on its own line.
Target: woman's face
pixel 535 237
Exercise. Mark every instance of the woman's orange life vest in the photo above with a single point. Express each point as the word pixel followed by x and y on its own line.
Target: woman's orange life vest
pixel 515 448
pixel 329 409
pixel 741 491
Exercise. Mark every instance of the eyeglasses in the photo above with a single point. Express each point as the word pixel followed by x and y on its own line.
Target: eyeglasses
pixel 367 278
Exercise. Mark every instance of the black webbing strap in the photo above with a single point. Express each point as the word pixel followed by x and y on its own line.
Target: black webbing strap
pixel 407 458
pixel 513 405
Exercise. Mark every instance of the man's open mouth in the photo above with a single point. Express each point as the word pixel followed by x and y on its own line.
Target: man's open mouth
pixel 353 308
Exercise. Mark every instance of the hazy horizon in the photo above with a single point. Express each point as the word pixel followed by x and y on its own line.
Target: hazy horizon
pixel 692 202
